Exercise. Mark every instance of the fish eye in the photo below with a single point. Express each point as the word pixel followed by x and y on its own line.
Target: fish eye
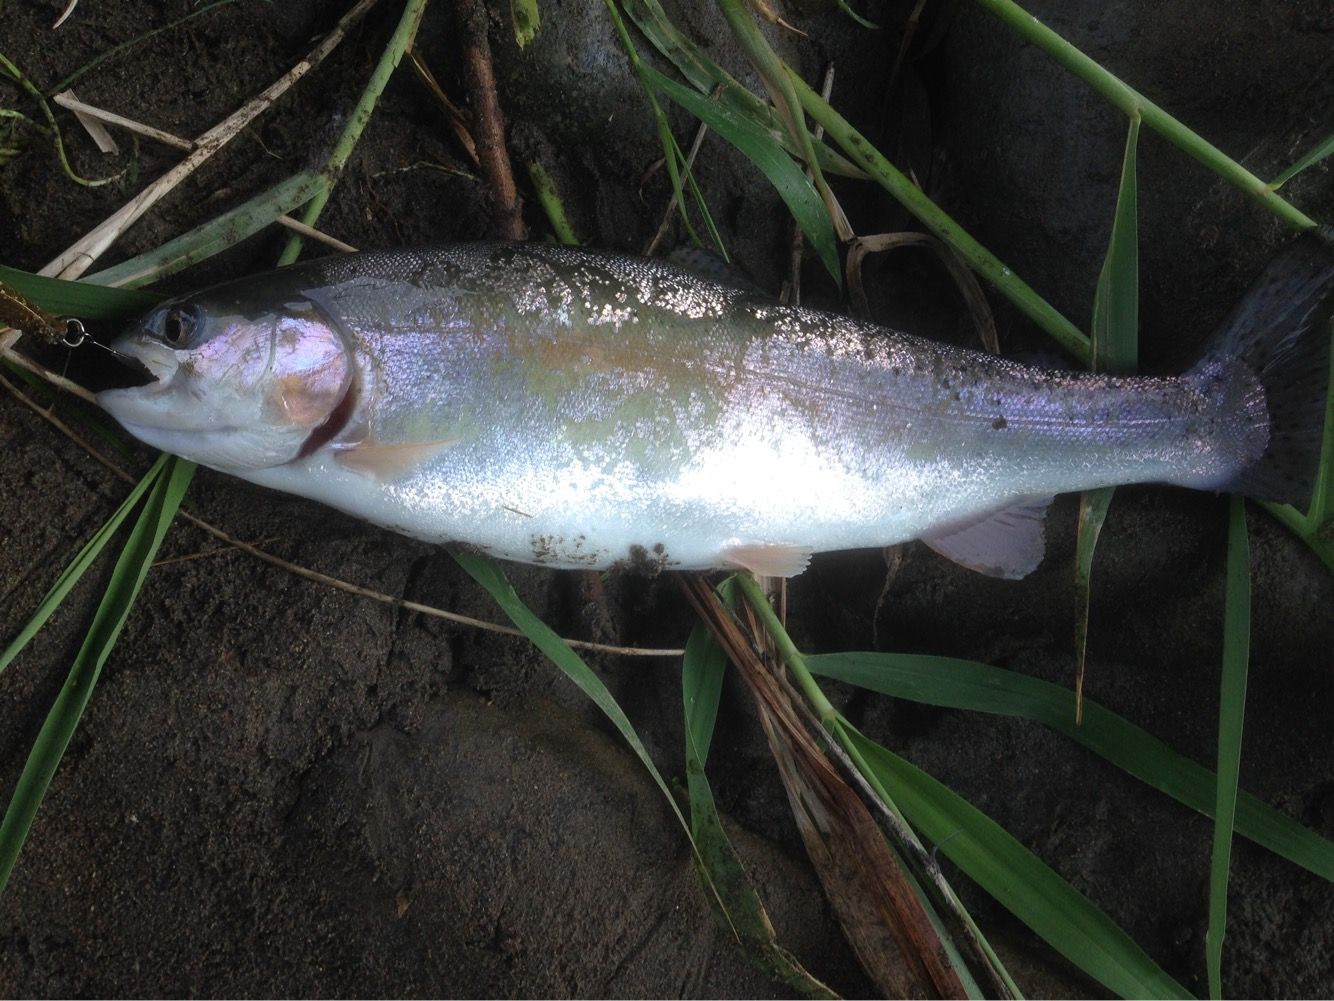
pixel 177 326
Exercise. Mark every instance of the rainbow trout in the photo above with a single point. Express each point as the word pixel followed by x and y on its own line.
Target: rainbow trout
pixel 581 409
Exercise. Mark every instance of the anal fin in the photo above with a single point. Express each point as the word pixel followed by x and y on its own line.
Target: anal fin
pixel 768 559
pixel 1009 543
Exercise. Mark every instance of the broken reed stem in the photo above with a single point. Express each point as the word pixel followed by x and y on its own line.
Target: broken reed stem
pixel 360 118
pixel 70 103
pixel 176 142
pixel 489 122
pixel 79 256
pixel 278 561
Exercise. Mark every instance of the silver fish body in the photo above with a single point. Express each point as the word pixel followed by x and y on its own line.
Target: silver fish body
pixel 581 409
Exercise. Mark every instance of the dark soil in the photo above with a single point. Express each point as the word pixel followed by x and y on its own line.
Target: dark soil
pixel 282 789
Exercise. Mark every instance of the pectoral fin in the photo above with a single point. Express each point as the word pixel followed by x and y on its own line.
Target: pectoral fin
pixel 1008 543
pixel 769 559
pixel 389 461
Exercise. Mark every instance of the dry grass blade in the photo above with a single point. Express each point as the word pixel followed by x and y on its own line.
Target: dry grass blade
pixel 876 903
pixel 964 279
pixel 91 123
pixel 79 256
pixel 456 118
pixel 64 15
pixel 69 102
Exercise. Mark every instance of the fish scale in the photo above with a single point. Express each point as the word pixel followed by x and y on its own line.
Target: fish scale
pixel 584 409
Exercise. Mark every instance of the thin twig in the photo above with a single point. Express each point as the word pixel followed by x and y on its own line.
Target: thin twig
pixel 297 569
pixel 7 339
pixel 652 247
pixel 80 255
pixel 297 226
pixel 489 122
pixel 452 111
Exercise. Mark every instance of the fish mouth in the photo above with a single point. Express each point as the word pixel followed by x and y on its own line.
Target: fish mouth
pixel 149 366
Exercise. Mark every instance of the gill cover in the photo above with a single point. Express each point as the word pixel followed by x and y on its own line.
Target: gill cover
pixel 234 390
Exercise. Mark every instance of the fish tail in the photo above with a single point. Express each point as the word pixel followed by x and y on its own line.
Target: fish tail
pixel 1267 375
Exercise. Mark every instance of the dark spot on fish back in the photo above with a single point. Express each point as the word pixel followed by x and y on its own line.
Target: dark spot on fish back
pixel 999 424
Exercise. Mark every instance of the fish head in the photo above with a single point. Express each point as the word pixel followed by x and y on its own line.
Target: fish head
pixel 233 389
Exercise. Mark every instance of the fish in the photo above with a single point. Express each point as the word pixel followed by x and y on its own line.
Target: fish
pixel 582 409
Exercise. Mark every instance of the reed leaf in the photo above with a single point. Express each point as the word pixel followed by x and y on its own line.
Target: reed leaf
pixel 1231 713
pixel 966 684
pixel 166 485
pixel 1027 887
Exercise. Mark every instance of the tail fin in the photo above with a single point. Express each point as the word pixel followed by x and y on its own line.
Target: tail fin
pixel 1280 335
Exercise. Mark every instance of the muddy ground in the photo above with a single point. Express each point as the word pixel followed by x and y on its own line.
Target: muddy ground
pixel 282 789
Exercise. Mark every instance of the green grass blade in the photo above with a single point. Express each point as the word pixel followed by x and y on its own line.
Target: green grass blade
pixel 777 81
pixel 72 573
pixel 1114 346
pixel 404 32
pixel 489 575
pixel 701 684
pixel 1317 153
pixel 1027 887
pixel 1306 529
pixel 1093 505
pixel 706 76
pixel 1131 101
pixel 1321 511
pixel 730 895
pixel 671 151
pixel 87 302
pixel 214 236
pixel 525 18
pixel 788 179
pixel 846 9
pixel 549 198
pixel 910 196
pixel 966 684
pixel 1115 340
pixel 1231 712
pixel 116 50
pixel 167 489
